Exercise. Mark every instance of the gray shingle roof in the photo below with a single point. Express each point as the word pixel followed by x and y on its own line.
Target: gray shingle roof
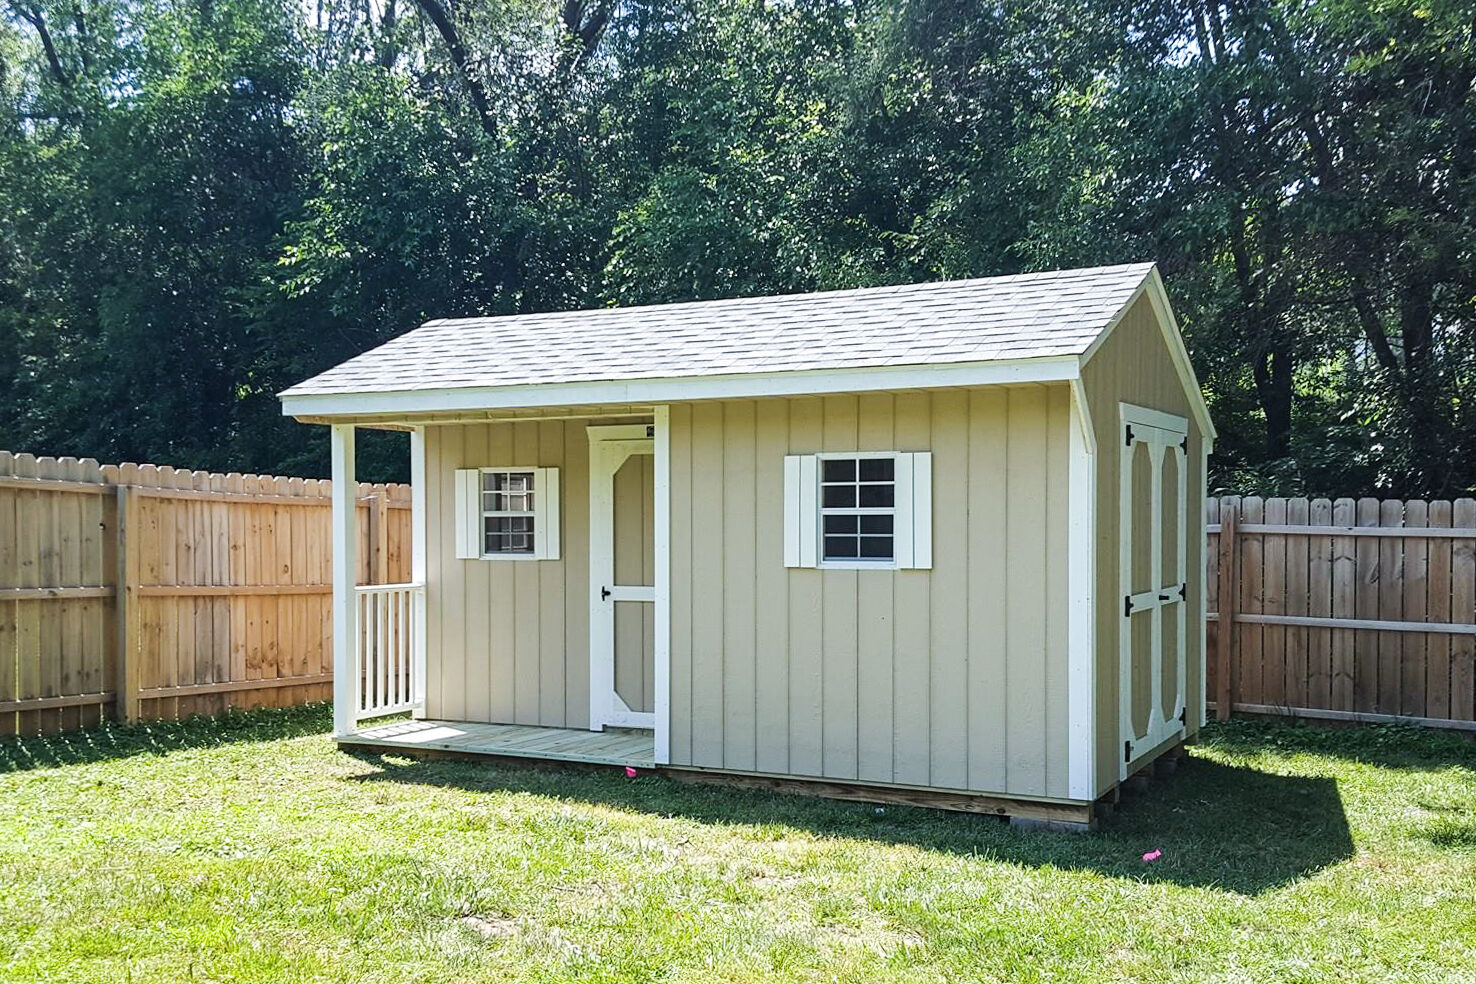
pixel 1018 317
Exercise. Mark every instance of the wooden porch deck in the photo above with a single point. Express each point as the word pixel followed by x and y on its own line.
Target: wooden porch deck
pixel 609 747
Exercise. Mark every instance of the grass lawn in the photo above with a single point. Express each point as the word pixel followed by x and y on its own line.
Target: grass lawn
pixel 250 849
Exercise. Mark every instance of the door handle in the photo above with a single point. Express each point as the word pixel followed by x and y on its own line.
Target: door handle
pixel 604 594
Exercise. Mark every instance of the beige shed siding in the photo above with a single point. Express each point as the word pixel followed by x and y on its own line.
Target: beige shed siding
pixel 508 641
pixel 1133 365
pixel 954 677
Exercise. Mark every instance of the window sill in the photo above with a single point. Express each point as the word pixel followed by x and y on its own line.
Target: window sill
pixel 858 565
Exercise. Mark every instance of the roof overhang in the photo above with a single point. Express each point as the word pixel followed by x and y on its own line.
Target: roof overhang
pixel 415 402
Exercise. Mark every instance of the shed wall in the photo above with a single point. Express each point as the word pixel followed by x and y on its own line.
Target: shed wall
pixel 1133 365
pixel 952 678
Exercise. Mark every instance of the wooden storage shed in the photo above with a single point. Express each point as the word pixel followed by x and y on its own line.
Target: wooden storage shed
pixel 933 543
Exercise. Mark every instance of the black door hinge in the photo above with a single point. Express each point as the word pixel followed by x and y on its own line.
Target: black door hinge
pixel 1127 751
pixel 1184 717
pixel 1183 586
pixel 1129 435
pixel 1184 445
pixel 1127 605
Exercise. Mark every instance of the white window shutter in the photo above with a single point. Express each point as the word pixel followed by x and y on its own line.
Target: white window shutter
pixel 546 514
pixel 809 511
pixel 921 466
pixel 791 510
pixel 801 510
pixel 468 513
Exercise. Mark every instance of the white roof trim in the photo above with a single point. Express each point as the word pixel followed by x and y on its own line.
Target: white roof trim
pixel 676 389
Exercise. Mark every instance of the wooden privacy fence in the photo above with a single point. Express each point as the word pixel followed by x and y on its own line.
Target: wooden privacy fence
pixel 1343 610
pixel 142 591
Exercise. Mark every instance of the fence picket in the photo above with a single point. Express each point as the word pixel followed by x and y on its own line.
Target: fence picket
pixel 1463 609
pixel 1391 607
pixel 1438 593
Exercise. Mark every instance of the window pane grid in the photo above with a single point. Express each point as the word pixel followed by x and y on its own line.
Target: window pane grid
pixel 508 512
pixel 857 508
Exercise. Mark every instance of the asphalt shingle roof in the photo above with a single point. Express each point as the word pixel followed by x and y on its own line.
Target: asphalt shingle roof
pixel 1017 317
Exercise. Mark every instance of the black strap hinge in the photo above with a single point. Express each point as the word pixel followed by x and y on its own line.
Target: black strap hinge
pixel 1127 605
pixel 1184 444
pixel 1129 435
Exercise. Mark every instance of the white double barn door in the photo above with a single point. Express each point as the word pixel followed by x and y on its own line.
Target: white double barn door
pixel 1154 634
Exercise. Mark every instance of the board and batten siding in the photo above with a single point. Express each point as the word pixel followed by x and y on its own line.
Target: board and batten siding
pixel 953 678
pixel 1133 365
pixel 507 641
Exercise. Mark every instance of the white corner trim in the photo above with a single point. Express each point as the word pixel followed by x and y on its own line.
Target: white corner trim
pixel 663 585
pixel 1081 577
pixel 1040 369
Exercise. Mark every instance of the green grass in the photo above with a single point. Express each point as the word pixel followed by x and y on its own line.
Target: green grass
pixel 250 849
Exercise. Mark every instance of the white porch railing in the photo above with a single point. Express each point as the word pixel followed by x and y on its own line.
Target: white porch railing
pixel 389 644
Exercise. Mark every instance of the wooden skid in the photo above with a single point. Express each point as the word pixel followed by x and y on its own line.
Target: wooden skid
pixel 936 799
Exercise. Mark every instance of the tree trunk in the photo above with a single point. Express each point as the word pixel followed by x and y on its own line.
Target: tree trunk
pixel 441 18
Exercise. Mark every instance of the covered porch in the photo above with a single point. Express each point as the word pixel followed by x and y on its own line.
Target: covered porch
pixel 551 655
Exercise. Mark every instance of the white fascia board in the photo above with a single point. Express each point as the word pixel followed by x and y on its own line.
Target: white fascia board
pixel 674 390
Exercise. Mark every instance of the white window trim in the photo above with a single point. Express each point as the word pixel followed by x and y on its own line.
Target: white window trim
pixel 470 535
pixel 912 538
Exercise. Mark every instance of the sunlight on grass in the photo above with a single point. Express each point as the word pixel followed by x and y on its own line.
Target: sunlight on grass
pixel 250 849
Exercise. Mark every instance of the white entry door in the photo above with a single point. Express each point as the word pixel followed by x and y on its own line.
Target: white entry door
pixel 622 572
pixel 1153 641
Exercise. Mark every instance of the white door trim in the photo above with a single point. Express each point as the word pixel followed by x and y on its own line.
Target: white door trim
pixel 609 447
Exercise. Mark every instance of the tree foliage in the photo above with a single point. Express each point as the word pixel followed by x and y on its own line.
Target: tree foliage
pixel 204 201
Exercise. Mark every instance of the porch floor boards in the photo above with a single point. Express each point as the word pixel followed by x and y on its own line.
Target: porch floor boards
pixel 610 747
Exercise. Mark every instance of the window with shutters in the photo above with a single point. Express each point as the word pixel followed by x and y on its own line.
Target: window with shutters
pixel 858 510
pixel 508 513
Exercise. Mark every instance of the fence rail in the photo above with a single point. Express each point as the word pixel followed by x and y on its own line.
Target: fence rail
pixel 142 591
pixel 1336 609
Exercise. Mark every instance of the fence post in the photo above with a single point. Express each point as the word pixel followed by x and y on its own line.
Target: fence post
pixel 1229 591
pixel 125 618
pixel 379 538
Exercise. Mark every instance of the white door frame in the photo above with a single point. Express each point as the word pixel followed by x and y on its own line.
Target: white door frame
pixel 1164 434
pixel 609 447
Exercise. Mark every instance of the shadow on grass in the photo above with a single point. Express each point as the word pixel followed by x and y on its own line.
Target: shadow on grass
pixel 1388 746
pixel 112 741
pixel 1219 827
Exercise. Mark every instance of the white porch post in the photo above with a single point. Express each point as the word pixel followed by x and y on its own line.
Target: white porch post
pixel 345 564
pixel 418 567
